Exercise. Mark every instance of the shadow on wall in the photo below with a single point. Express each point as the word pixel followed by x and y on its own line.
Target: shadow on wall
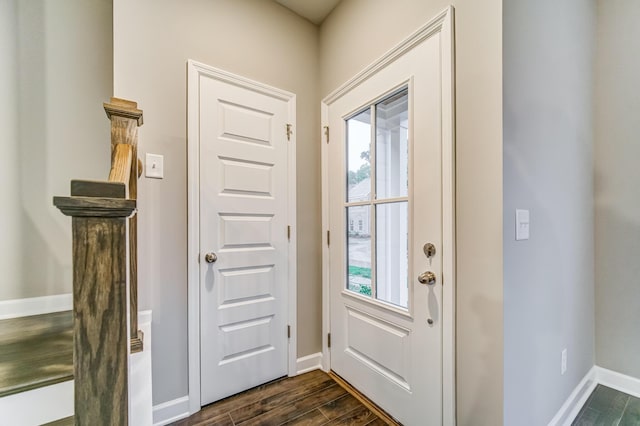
pixel 64 73
pixel 617 290
pixel 481 307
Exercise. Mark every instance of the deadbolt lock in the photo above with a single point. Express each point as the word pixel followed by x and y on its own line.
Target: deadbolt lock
pixel 429 250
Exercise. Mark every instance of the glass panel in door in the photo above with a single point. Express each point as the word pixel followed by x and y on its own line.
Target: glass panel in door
pixel 392 253
pixel 377 225
pixel 392 155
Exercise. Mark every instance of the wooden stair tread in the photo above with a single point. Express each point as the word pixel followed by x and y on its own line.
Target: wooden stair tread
pixel 35 351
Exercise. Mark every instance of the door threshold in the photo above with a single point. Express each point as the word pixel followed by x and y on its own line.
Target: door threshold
pixel 372 406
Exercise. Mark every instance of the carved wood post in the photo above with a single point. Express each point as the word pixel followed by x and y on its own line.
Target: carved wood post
pixel 125 119
pixel 99 300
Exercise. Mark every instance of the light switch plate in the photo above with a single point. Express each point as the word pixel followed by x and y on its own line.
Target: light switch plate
pixel 154 166
pixel 522 224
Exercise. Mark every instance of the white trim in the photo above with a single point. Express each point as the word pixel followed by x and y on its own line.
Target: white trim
pixel 618 381
pixel 194 71
pixel 448 220
pixel 35 306
pixel 292 211
pixel 578 397
pixel 193 241
pixel 140 380
pixel 171 411
pixel 309 363
pixel 443 23
pixel 326 264
pixel 145 317
pixel 53 403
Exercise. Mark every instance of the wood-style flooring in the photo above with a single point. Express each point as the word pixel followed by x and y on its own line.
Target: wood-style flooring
pixel 35 351
pixel 313 398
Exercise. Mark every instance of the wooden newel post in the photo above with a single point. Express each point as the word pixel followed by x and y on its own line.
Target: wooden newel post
pixel 99 212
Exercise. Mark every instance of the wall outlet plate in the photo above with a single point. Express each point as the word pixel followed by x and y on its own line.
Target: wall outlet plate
pixel 522 224
pixel 154 166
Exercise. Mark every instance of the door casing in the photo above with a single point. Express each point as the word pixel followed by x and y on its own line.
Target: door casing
pixel 195 70
pixel 444 24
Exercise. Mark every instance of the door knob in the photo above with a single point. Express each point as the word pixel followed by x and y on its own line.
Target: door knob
pixel 427 278
pixel 210 257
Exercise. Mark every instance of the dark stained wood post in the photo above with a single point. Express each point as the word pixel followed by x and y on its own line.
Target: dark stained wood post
pixel 99 214
pixel 125 119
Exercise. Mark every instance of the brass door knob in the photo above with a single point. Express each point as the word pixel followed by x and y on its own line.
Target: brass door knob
pixel 210 257
pixel 428 278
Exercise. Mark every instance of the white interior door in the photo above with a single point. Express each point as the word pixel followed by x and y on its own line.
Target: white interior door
pixel 244 144
pixel 385 203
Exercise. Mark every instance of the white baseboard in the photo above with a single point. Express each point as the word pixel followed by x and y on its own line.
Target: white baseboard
pixel 576 400
pixel 618 381
pixel 171 411
pixel 35 306
pixel 309 363
pixel 53 402
pixel 140 385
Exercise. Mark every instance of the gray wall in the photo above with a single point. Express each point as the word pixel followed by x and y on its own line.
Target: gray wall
pixel 359 31
pixel 548 168
pixel 260 40
pixel 617 189
pixel 61 72
pixel 10 220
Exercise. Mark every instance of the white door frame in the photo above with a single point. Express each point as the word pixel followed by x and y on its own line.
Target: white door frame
pixel 442 23
pixel 195 70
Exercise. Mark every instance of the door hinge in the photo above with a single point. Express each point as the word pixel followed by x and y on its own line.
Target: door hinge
pixel 289 232
pixel 326 133
pixel 328 238
pixel 288 332
pixel 329 340
pixel 289 131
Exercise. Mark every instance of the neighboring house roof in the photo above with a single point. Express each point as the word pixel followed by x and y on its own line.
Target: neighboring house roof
pixel 360 191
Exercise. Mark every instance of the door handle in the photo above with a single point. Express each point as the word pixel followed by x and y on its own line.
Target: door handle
pixel 210 257
pixel 428 278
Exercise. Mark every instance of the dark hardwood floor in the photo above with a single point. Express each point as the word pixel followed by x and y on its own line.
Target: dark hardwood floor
pixel 313 398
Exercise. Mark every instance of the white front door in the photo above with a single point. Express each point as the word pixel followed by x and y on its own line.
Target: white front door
pixel 244 137
pixel 385 216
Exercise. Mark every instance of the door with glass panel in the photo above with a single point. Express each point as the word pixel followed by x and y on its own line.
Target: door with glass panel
pixel 385 221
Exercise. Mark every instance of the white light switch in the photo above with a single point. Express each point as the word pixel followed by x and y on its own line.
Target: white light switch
pixel 522 224
pixel 154 166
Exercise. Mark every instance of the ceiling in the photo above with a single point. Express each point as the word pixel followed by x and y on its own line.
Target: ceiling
pixel 313 10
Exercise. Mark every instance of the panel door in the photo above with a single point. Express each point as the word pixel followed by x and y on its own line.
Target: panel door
pixel 243 228
pixel 385 204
